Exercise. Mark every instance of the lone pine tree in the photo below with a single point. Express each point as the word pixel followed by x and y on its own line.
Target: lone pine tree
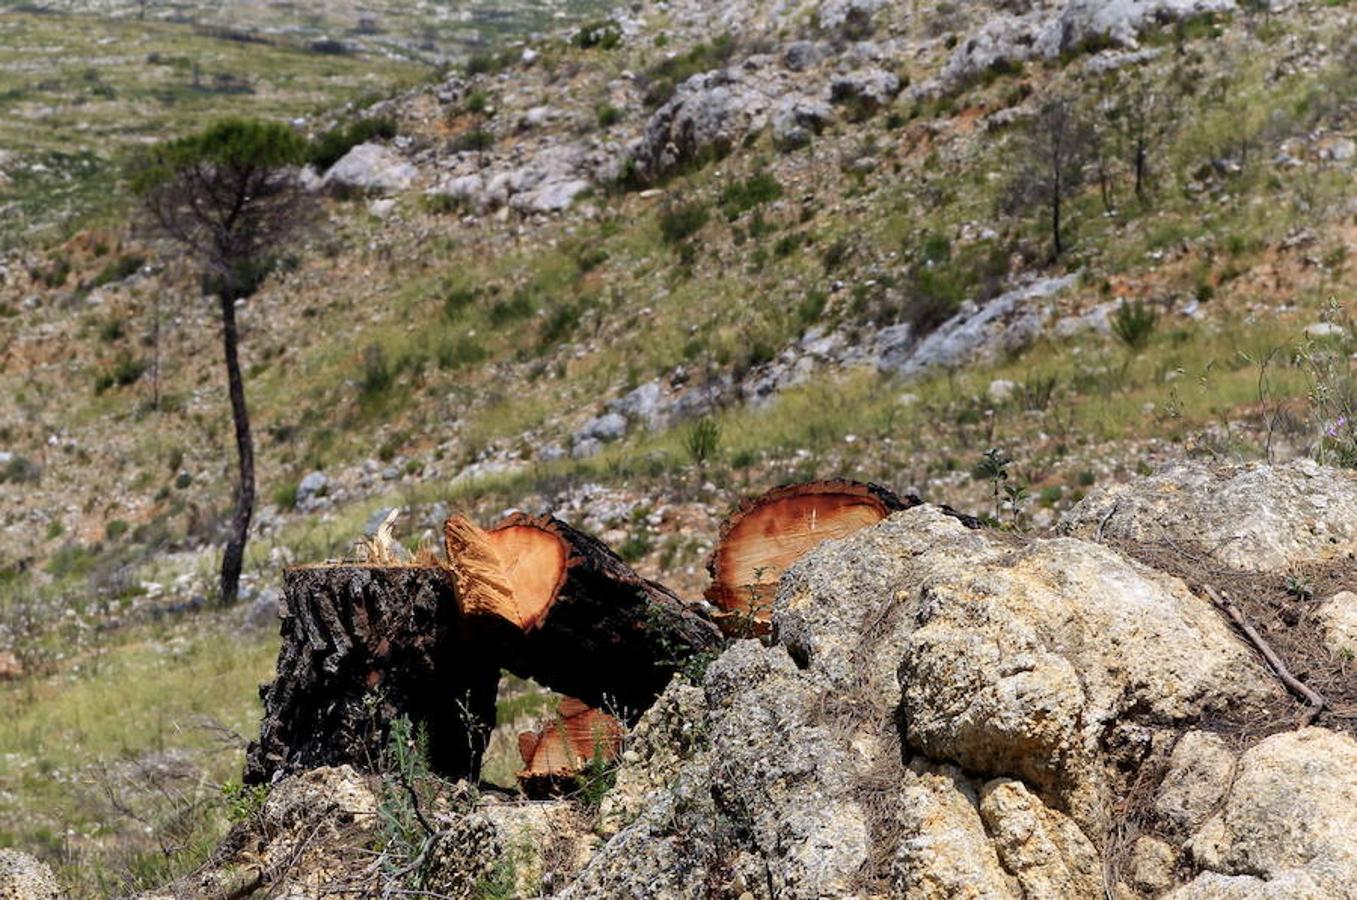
pixel 230 197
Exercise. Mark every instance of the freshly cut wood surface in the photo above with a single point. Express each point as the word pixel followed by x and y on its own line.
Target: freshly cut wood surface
pixel 513 572
pixel 534 560
pixel 763 537
pixel 554 756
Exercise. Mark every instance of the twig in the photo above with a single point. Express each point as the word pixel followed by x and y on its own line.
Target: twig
pixel 1107 517
pixel 1312 697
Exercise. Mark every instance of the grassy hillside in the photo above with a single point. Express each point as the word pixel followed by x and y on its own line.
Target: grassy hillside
pixel 434 356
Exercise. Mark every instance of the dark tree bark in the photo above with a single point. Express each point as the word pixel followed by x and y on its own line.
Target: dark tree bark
pixel 361 646
pixel 234 554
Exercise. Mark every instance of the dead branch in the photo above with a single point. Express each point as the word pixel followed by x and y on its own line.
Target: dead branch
pixel 1316 702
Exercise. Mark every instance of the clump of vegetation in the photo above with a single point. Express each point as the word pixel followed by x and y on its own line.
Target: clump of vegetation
pixel 20 470
pixel 608 115
pixel 665 77
pixel 1134 324
pixel 678 222
pixel 605 34
pixel 741 196
pixel 120 269
pixel 702 440
pixel 126 369
pixel 331 146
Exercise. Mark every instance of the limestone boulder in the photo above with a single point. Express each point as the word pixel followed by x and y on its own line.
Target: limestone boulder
pixel 1287 826
pixel 1255 517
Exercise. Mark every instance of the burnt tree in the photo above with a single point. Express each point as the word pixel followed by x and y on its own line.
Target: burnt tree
pixel 587 624
pixel 363 645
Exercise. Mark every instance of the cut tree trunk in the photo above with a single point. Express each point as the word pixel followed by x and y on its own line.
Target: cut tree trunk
pixel 761 539
pixel 363 645
pixel 554 756
pixel 587 624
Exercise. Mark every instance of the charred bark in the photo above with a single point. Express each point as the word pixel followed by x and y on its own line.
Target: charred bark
pixel 363 645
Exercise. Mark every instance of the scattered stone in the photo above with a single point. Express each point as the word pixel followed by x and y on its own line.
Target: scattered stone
pixel 1152 865
pixel 1199 774
pixel 869 89
pixel 1288 826
pixel 371 168
pixel 312 487
pixel 802 55
pixel 1339 615
pixel 1001 390
pixel 24 878
pixel 11 669
pixel 1324 330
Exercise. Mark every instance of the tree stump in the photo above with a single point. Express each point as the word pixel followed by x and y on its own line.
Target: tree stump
pixel 363 645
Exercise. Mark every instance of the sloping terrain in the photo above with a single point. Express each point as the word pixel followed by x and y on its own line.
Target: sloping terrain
pixel 634 275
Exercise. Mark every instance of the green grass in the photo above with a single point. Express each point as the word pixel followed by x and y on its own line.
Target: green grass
pixel 68 738
pixel 78 90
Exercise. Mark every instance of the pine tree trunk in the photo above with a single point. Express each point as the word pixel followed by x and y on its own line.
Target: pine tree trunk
pixel 234 555
pixel 587 625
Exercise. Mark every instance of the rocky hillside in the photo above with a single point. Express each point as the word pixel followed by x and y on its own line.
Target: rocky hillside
pixel 634 272
pixel 940 713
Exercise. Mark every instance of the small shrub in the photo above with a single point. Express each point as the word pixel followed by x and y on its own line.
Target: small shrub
pixel 285 495
pixel 115 529
pixel 454 353
pixel 377 375
pixel 741 196
pixel 1134 323
pixel 682 221
pixel 603 35
pixel 519 306
pixel 811 307
pixel 20 470
pixel 457 297
pixel 475 140
pixel 477 102
pixel 608 115
pixel 635 547
pixel 243 802
pixel 126 369
pixel 702 440
pixel 120 269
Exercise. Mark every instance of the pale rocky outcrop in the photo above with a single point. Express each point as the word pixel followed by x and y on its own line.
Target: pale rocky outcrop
pixel 24 878
pixel 1257 518
pixel 1052 29
pixel 1040 669
pixel 371 168
pixel 1287 827
pixel 1339 615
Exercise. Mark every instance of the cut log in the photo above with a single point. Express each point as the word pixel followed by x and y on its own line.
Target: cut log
pixel 761 539
pixel 589 625
pixel 361 646
pixel 554 757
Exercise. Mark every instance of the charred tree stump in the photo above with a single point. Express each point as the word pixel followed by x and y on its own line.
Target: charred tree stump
pixel 363 645
pixel 587 625
pixel 761 539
